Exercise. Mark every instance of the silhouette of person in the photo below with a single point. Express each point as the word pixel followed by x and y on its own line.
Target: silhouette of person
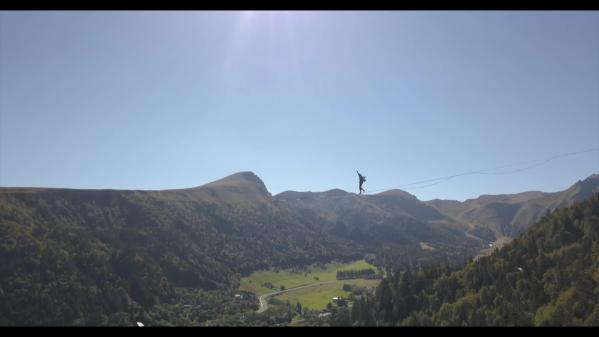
pixel 362 180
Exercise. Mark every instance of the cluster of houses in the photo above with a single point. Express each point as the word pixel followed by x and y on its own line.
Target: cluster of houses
pixel 340 301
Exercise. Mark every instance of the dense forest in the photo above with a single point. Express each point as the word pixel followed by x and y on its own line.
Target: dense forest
pixel 548 276
pixel 175 257
pixel 367 273
pixel 73 257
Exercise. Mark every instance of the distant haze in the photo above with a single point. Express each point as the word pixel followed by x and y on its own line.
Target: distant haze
pixel 161 100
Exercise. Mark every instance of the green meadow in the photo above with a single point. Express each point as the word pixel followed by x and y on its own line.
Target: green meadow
pixel 319 296
pixel 315 297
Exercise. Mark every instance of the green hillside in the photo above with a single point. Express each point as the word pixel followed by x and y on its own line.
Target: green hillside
pixel 177 257
pixel 102 257
pixel 549 275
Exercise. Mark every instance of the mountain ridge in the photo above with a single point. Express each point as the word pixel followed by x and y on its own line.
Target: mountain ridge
pixel 249 178
pixel 126 252
pixel 506 215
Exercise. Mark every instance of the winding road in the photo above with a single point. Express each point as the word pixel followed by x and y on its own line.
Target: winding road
pixel 263 298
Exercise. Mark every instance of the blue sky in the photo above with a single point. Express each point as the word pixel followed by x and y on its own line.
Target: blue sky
pixel 160 100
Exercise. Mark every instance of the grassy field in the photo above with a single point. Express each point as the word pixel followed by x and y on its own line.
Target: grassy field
pixel 290 279
pixel 315 297
pixel 318 297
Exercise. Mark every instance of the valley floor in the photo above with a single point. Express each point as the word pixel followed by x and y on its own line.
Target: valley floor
pixel 313 287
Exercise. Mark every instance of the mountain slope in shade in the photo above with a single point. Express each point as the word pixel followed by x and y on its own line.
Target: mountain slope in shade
pixel 393 219
pixel 337 203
